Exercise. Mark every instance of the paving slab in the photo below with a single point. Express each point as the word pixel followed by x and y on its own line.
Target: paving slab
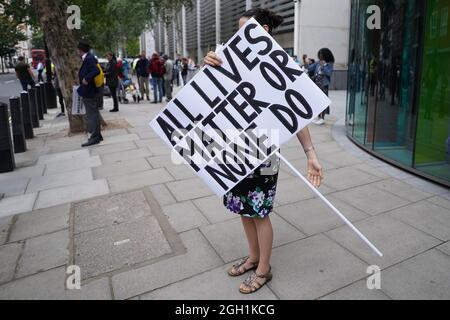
pixel 39 222
pixel 189 189
pixel 113 148
pixel 339 179
pixel 162 195
pixel 125 156
pixel 440 201
pixel 372 170
pixel 18 204
pixel 77 164
pixel 25 172
pixel 138 180
pixel 120 169
pixel 184 216
pixel 9 254
pixel 5 225
pixel 357 291
pixel 60 180
pixel 50 285
pixel 63 156
pixel 313 267
pixel 200 257
pixel 228 238
pixel 428 217
pixel 313 216
pixel 118 139
pixel 343 159
pixel 403 190
pixel 54 197
pixel 295 190
pixel 44 253
pixel 213 209
pixel 445 248
pixel 14 187
pixel 395 239
pixel 424 277
pixel 113 248
pixel 181 172
pixel 426 185
pixel 370 199
pixel 199 288
pixel 164 161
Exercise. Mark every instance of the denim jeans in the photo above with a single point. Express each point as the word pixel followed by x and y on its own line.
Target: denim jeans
pixel 157 84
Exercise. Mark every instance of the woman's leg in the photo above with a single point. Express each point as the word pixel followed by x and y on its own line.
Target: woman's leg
pixel 252 239
pixel 265 239
pixel 113 91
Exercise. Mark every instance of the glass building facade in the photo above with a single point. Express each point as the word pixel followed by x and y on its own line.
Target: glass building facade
pixel 398 103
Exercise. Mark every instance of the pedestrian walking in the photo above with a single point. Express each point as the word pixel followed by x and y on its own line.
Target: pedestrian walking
pixel 142 72
pixel 112 79
pixel 40 70
pixel 24 74
pixel 168 77
pixel 184 70
pixel 157 72
pixel 88 91
pixel 254 197
pixel 59 94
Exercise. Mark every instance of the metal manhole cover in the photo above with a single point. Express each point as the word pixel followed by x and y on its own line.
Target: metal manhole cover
pixel 117 232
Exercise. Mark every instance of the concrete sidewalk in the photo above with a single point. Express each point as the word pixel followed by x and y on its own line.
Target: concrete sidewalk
pixel 140 227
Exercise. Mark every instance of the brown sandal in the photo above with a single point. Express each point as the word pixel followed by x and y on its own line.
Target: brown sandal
pixel 251 284
pixel 238 269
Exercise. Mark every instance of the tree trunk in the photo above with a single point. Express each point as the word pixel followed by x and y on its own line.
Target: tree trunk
pixel 62 46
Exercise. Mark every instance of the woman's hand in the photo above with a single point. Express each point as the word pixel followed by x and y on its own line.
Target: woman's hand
pixel 213 59
pixel 315 173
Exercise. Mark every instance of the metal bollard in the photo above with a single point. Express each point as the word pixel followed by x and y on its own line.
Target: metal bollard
pixel 18 131
pixel 26 115
pixel 34 108
pixel 43 97
pixel 7 162
pixel 51 96
pixel 39 102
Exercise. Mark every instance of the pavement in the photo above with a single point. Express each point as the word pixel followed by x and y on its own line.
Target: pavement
pixel 140 227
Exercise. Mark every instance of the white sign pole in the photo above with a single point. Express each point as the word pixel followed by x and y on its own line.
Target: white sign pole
pixel 328 203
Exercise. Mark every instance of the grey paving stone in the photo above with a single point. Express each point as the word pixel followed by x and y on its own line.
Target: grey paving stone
pixel 59 180
pixel 440 201
pixel 54 197
pixel 313 216
pixel 77 164
pixel 29 225
pixel 24 172
pixel 424 277
pixel 295 190
pixel 343 159
pixel 139 180
pixel 357 291
pixel 163 161
pixel 394 172
pixel 162 195
pixel 5 225
pixel 370 199
pixel 113 248
pixel 339 179
pixel 445 248
pixel 14 187
pixel 116 140
pixel 114 132
pixel 199 257
pixel 50 285
pixel 63 156
pixel 189 189
pixel 184 216
pixel 326 148
pixel 199 288
pixel 396 240
pixel 425 216
pixel 156 142
pixel 113 148
pixel 370 169
pixel 181 172
pixel 125 156
pixel 213 209
pixel 108 211
pixel 120 169
pixel 18 204
pixel 9 254
pixel 313 267
pixel 426 186
pixel 403 190
pixel 228 238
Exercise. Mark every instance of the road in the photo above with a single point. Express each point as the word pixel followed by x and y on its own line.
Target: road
pixel 9 86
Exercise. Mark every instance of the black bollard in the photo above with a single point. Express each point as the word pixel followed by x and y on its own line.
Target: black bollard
pixel 18 131
pixel 43 97
pixel 7 162
pixel 39 105
pixel 26 115
pixel 33 107
pixel 51 96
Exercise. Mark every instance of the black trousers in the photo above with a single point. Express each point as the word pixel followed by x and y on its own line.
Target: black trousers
pixel 93 118
pixel 61 100
pixel 113 91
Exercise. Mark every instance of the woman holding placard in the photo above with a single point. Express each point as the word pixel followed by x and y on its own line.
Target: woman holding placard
pixel 253 199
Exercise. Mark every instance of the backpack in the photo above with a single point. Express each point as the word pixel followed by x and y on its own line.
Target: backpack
pixel 157 67
pixel 100 79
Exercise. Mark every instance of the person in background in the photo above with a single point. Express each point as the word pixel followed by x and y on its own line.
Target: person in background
pixel 40 70
pixel 168 77
pixel 60 95
pixel 157 72
pixel 323 70
pixel 176 71
pixel 121 92
pixel 112 79
pixel 184 70
pixel 192 69
pixel 143 75
pixel 24 74
pixel 88 92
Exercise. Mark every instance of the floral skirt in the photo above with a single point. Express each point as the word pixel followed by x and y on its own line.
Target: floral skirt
pixel 254 197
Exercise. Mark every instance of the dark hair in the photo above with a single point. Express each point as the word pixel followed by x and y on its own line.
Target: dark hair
pixel 21 58
pixel 326 54
pixel 265 17
pixel 84 47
